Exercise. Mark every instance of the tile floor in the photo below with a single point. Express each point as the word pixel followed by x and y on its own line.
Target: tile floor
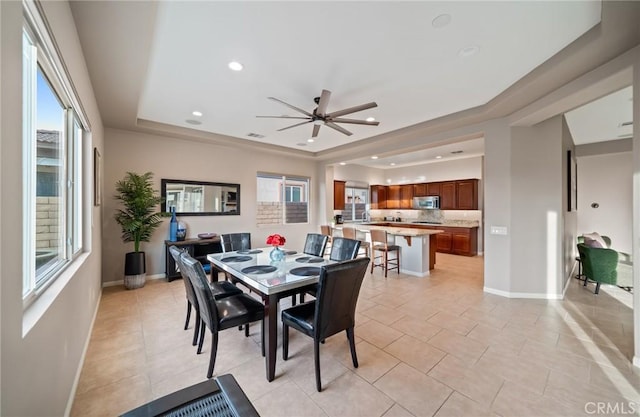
pixel 436 346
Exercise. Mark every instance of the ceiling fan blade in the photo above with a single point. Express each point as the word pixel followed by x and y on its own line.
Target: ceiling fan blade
pixel 291 106
pixel 316 129
pixel 323 103
pixel 355 122
pixel 284 117
pixel 352 110
pixel 338 128
pixel 297 124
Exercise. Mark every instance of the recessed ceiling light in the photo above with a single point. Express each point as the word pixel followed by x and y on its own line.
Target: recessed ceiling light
pixel 441 21
pixel 235 65
pixel 197 113
pixel 343 163
pixel 193 122
pixel 392 164
pixel 439 157
pixel 370 119
pixel 310 140
pixel 468 50
pixel 374 157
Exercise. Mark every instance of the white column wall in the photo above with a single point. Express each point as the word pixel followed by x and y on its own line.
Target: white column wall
pixel 636 209
pixel 497 205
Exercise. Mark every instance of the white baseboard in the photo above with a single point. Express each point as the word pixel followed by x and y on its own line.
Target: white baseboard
pixel 540 296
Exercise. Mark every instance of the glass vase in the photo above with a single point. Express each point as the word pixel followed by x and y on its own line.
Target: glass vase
pixel 276 254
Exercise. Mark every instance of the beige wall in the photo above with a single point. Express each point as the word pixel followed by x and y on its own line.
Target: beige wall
pixel 174 158
pixel 42 347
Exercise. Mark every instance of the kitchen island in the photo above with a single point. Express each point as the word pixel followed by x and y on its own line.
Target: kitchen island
pixel 417 247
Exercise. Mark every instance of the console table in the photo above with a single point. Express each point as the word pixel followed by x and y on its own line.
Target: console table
pixel 197 248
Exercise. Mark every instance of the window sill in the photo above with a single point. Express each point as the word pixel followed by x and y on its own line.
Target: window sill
pixel 41 304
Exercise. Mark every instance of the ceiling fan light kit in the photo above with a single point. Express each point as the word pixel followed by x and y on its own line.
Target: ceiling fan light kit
pixel 320 117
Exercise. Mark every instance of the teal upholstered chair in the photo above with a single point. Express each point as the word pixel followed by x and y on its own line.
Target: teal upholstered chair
pixel 598 265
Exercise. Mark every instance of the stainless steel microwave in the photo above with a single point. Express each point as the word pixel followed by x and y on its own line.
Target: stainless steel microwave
pixel 426 203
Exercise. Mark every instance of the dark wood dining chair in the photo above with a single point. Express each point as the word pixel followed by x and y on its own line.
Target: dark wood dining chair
pixel 379 243
pixel 217 315
pixel 351 233
pixel 343 249
pixel 219 290
pixel 331 312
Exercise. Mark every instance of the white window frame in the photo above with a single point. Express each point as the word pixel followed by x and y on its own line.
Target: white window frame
pixel 304 193
pixel 40 51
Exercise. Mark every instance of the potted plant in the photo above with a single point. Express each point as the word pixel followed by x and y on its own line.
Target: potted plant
pixel 138 219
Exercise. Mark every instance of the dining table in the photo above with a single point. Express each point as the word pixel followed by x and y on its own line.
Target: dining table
pixel 272 281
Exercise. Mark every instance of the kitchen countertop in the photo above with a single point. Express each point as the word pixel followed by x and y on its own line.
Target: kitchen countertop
pixel 396 229
pixel 448 223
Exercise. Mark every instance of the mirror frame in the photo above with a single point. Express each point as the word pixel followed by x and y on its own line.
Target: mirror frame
pixel 163 194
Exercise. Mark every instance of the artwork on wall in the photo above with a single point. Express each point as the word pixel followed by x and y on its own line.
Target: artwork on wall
pixel 572 182
pixel 97 178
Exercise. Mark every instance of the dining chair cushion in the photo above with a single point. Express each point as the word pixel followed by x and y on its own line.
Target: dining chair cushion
pixel 238 310
pixel 302 316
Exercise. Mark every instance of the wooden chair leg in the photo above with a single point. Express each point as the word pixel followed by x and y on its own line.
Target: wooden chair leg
pixel 352 345
pixel 285 342
pixel 262 337
pixel 196 329
pixel 214 351
pixel 597 288
pixel 386 265
pixel 203 328
pixel 186 323
pixel 316 359
pixel 246 330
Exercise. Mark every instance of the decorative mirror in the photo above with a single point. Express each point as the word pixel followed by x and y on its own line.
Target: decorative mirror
pixel 199 198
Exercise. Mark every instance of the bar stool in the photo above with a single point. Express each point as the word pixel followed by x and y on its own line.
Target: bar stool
pixel 379 243
pixel 326 230
pixel 350 233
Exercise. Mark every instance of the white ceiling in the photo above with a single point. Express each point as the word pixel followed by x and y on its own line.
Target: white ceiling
pixel 167 59
pixel 387 52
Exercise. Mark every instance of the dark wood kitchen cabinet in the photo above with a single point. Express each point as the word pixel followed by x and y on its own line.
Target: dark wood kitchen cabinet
pixel 339 188
pixel 448 196
pixel 467 195
pixel 420 190
pixel 406 196
pixel 393 197
pixel 433 188
pixel 378 197
pixel 457 240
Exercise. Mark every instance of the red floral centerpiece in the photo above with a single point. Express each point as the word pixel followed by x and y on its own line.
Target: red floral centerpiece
pixel 276 240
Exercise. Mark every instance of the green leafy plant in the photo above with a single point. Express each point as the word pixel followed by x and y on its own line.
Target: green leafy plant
pixel 138 218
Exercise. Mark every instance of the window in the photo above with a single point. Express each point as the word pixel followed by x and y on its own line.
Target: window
pixel 355 205
pixel 282 199
pixel 52 150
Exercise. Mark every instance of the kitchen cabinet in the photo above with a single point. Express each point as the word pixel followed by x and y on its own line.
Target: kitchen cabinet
pixel 406 196
pixel 420 190
pixel 339 195
pixel 393 197
pixel 378 197
pixel 457 240
pixel 433 188
pixel 448 196
pixel 443 240
pixel 467 195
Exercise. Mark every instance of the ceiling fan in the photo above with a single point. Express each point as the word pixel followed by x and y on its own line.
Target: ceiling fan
pixel 320 117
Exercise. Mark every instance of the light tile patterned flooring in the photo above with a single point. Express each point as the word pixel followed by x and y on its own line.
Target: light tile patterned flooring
pixel 436 346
